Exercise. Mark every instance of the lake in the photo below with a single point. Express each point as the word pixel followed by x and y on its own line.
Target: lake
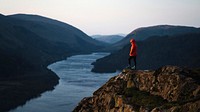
pixel 76 82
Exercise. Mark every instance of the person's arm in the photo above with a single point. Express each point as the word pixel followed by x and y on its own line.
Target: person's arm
pixel 131 51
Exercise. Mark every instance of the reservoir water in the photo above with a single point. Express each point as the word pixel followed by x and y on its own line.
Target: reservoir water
pixel 76 82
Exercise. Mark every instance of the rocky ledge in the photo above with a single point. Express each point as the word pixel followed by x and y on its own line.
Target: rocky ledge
pixel 168 89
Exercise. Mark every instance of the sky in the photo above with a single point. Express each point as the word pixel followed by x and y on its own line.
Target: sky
pixel 107 17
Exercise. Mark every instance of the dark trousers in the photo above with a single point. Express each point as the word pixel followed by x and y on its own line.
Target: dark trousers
pixel 129 60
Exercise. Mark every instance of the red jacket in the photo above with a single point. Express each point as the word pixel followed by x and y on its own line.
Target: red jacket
pixel 133 50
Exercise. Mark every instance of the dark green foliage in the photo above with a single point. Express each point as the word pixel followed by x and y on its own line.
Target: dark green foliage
pixel 143 98
pixel 169 105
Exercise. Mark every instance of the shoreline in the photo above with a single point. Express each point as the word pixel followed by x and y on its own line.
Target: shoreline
pixel 17 92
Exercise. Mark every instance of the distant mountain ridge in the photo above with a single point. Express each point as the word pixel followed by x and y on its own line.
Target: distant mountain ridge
pixel 144 33
pixel 111 39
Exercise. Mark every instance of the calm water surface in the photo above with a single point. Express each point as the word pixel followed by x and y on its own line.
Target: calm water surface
pixel 76 82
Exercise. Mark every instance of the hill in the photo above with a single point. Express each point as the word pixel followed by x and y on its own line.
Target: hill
pixel 27 47
pixel 154 52
pixel 57 31
pixel 167 89
pixel 111 39
pixel 144 33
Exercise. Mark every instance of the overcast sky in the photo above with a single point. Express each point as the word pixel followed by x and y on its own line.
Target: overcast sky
pixel 110 16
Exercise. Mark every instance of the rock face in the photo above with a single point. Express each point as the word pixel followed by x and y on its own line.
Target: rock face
pixel 169 88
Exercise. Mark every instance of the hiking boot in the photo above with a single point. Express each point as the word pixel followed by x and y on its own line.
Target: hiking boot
pixel 133 68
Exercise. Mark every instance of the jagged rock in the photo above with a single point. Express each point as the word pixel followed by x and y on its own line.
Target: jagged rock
pixel 166 89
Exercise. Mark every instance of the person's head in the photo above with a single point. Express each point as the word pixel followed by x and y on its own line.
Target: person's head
pixel 132 41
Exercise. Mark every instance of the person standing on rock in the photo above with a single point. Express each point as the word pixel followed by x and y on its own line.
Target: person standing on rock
pixel 132 54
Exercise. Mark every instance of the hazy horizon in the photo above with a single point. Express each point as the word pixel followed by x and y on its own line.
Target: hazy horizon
pixel 107 17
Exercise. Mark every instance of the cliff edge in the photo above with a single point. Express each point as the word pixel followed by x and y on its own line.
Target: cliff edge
pixel 169 89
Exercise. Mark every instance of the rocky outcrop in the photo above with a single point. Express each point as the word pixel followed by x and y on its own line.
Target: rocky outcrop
pixel 169 88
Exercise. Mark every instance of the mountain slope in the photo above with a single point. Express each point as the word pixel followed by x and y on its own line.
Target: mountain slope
pixel 144 33
pixel 170 89
pixel 180 50
pixel 57 31
pixel 24 57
